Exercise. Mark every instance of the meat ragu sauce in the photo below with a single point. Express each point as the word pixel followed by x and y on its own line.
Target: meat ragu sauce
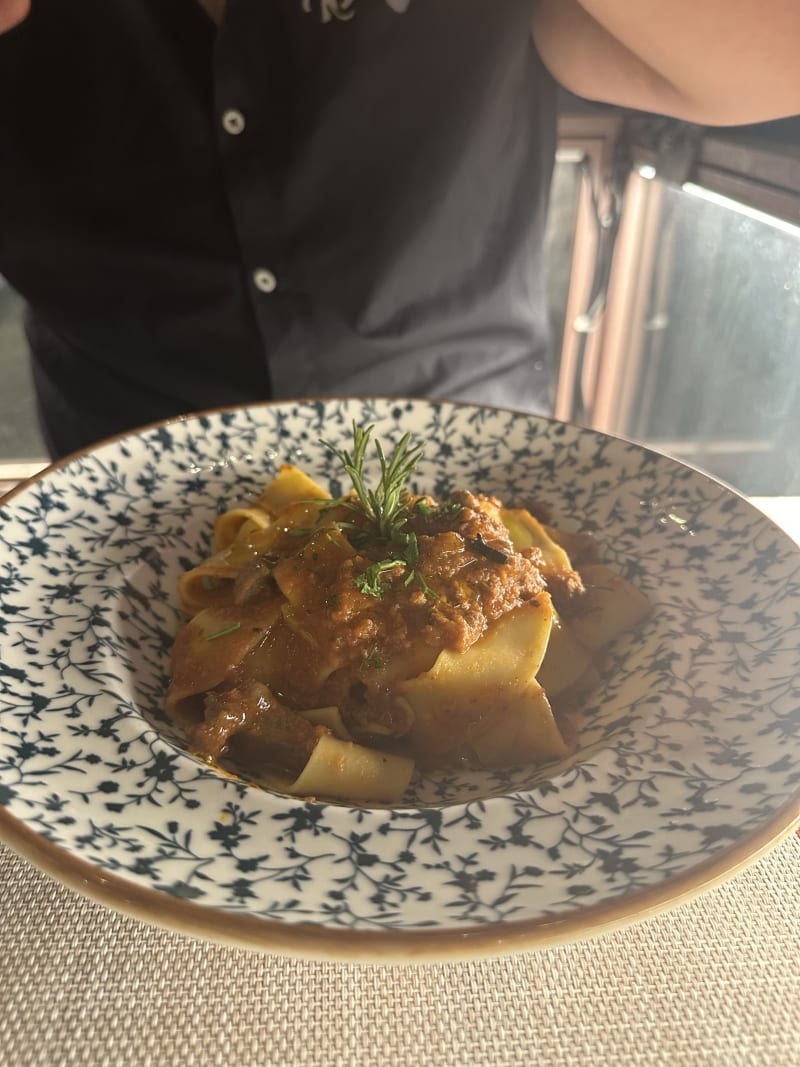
pixel 417 630
pixel 471 572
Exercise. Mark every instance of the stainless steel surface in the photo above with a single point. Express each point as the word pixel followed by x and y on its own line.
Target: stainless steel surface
pixel 693 346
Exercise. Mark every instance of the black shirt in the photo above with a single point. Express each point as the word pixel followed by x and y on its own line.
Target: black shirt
pixel 319 197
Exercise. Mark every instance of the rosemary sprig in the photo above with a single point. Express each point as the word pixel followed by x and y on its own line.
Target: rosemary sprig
pixel 232 628
pixel 385 506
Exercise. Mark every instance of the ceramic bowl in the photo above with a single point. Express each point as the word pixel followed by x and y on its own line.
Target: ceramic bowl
pixel 687 766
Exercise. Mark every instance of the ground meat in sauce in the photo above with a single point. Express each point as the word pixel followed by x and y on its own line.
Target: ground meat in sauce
pixel 567 589
pixel 473 590
pixel 465 590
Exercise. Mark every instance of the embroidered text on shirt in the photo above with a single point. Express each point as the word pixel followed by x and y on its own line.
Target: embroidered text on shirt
pixel 332 9
pixel 343 10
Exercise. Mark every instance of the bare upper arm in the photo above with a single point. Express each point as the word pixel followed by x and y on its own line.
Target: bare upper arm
pixel 709 61
pixel 12 12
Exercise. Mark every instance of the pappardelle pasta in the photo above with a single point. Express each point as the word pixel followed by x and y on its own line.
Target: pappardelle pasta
pixel 334 644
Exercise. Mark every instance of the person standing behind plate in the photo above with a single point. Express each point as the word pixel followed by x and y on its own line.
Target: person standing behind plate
pixel 207 203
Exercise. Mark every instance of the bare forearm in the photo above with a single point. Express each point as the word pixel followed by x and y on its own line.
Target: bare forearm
pixel 12 12
pixel 708 61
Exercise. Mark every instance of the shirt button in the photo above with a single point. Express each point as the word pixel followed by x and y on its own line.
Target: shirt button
pixel 265 280
pixel 233 121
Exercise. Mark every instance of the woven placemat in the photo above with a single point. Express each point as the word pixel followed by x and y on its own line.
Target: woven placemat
pixel 712 982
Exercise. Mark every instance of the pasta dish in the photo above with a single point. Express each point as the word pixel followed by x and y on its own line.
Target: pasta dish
pixel 333 644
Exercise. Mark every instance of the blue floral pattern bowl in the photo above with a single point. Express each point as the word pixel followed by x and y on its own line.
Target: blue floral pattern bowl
pixel 687 767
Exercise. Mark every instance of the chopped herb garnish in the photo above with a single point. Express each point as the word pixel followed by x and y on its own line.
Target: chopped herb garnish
pixel 426 589
pixel 374 661
pixel 411 554
pixel 225 630
pixel 452 507
pixel 370 583
pixel 447 510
